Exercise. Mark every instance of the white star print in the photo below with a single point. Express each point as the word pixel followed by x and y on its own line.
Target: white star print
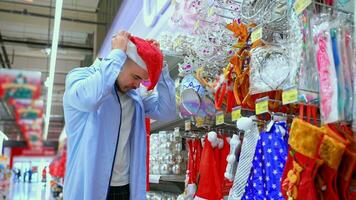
pixel 260 151
pixel 260 164
pixel 259 192
pixel 280 194
pixel 263 144
pixel 275 158
pixel 260 178
pixel 272 199
pixel 285 158
pixel 246 197
pixel 275 172
pixel 256 158
pixel 268 164
pixel 281 165
pixel 267 178
pixel 254 185
pixel 269 150
pixel 281 151
pixel 275 144
pixel 267 192
pixel 274 186
pixel 270 137
pixel 263 157
pixel 255 171
pixel 264 198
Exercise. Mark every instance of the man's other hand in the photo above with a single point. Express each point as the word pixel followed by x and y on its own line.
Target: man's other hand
pixel 120 40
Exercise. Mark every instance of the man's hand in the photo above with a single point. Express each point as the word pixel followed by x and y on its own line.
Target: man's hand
pixel 154 43
pixel 120 40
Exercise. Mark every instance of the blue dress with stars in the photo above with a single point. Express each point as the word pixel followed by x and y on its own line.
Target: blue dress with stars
pixel 271 155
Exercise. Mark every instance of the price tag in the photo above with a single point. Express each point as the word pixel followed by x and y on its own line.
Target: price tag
pixel 210 11
pixel 261 105
pixel 176 129
pixel 219 118
pixel 269 126
pixel 197 24
pixel 154 178
pixel 236 113
pixel 199 121
pixel 188 125
pixel 301 5
pixel 256 34
pixel 290 96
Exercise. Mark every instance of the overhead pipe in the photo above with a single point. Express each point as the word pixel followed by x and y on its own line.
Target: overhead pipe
pixel 51 7
pixel 33 14
pixel 19 41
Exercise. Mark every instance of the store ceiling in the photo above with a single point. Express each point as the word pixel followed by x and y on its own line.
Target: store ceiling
pixel 26 27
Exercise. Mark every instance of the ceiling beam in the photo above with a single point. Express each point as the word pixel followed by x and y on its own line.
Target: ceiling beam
pixel 4 52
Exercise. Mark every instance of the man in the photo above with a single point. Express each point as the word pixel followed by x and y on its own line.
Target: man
pixel 105 124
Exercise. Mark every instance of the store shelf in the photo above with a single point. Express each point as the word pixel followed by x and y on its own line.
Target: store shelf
pixel 166 178
pixel 159 125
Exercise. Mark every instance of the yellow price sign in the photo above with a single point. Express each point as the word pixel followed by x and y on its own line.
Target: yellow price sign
pixel 236 113
pixel 261 106
pixel 188 125
pixel 210 11
pixel 256 34
pixel 199 121
pixel 219 118
pixel 301 5
pixel 197 24
pixel 290 96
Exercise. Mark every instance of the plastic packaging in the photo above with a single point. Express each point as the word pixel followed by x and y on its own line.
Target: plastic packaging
pixel 327 73
pixel 271 69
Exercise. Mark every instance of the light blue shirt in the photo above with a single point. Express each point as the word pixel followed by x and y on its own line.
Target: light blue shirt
pixel 92 112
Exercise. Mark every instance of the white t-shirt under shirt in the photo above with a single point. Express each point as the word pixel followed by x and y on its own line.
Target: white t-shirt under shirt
pixel 121 169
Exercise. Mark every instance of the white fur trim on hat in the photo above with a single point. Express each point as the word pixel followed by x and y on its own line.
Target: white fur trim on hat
pixel 213 139
pixel 244 123
pixel 131 52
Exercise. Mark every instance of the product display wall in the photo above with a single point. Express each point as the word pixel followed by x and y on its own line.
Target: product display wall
pixel 266 96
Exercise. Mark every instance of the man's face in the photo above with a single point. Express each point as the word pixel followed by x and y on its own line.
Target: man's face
pixel 131 76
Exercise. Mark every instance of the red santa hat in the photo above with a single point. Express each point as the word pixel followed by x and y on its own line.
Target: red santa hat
pixel 146 56
pixel 209 186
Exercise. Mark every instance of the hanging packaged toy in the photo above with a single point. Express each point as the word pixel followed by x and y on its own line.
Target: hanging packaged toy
pixel 271 69
pixel 327 74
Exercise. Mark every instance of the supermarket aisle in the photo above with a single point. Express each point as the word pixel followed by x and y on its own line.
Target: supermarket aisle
pixel 29 191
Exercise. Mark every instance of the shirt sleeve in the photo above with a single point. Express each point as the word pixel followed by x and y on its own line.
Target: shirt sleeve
pixel 161 105
pixel 86 87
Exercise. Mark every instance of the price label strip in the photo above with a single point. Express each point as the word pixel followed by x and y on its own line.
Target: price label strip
pixel 301 5
pixel 262 105
pixel 219 118
pixel 236 113
pixel 188 125
pixel 290 96
pixel 256 34
pixel 199 121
